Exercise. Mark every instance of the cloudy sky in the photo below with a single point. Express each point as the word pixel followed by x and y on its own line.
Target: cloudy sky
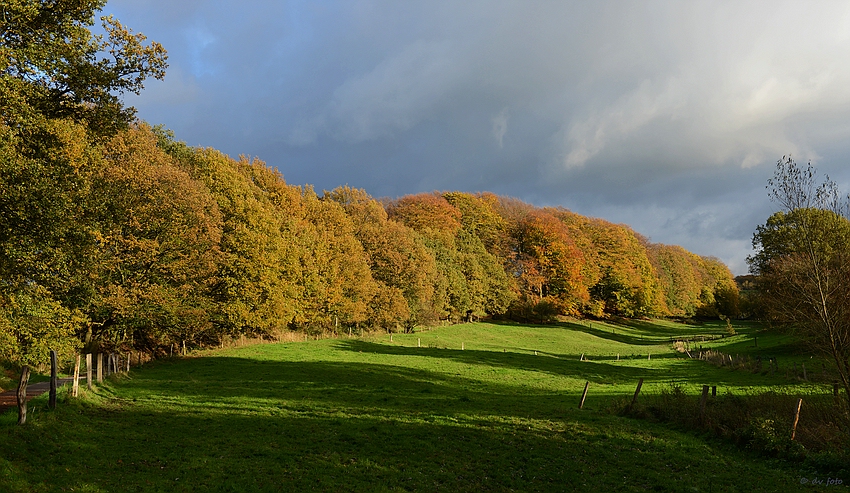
pixel 667 116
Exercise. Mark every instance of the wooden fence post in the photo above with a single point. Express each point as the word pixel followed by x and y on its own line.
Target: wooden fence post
pixel 99 367
pixel 702 400
pixel 583 395
pixel 75 390
pixel 714 391
pixel 88 370
pixel 51 402
pixel 796 419
pixel 637 391
pixel 22 395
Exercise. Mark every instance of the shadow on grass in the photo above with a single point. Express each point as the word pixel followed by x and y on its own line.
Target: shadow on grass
pixel 599 369
pixel 139 448
pixel 348 385
pixel 633 332
pixel 238 424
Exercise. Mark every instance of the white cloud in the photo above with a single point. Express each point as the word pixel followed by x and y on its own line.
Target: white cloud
pixel 714 86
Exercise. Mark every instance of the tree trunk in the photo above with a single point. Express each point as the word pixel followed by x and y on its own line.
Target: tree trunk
pixel 51 403
pixel 22 395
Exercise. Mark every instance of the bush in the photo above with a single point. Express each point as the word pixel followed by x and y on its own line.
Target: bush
pixel 759 422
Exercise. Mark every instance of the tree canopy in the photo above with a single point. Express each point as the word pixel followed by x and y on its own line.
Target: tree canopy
pixel 802 262
pixel 53 67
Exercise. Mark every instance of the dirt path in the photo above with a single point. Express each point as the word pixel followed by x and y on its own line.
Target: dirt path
pixel 9 398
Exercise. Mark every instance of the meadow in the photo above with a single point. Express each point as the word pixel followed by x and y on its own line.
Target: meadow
pixel 474 407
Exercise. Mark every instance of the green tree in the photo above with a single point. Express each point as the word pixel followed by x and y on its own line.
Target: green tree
pixel 719 295
pixel 803 262
pixel 31 324
pixel 479 217
pixel 678 277
pixel 53 67
pixel 60 90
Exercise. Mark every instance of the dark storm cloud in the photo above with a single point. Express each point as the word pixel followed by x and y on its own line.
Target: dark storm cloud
pixel 666 116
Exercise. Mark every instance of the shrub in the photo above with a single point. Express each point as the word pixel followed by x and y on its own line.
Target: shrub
pixel 759 422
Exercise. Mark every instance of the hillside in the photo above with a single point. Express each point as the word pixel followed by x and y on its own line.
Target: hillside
pixel 472 407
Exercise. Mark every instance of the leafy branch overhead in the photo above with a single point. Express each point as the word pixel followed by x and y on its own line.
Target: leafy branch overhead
pixel 53 66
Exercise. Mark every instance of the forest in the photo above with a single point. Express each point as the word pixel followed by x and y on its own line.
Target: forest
pixel 140 241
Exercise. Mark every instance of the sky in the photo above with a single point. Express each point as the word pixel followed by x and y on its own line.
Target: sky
pixel 667 116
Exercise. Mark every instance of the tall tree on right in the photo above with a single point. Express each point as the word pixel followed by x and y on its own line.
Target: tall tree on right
pixel 803 262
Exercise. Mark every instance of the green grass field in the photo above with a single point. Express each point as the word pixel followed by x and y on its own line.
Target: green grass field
pixel 477 407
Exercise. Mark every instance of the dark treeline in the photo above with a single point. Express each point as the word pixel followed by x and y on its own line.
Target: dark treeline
pixel 139 241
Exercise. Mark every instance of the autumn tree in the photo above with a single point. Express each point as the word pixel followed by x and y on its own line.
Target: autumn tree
pixel 802 260
pixel 401 265
pixel 158 249
pixel 547 263
pixel 427 212
pixel 337 283
pixel 60 90
pixel 470 281
pixel 626 282
pixel 432 217
pixel 255 288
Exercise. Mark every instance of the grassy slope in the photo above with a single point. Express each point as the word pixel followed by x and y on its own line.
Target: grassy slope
pixel 374 415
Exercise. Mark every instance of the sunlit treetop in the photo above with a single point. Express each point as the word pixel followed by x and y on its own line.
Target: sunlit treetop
pixel 53 66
